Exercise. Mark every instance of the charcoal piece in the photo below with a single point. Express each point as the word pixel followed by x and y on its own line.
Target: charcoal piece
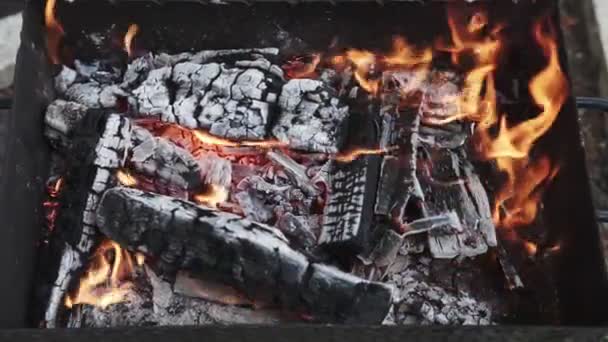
pixel 508 269
pixel 311 118
pixel 251 257
pixel 422 300
pixel 452 135
pixel 235 105
pixel 295 171
pixel 109 154
pixel 161 159
pixel 399 187
pixel 442 95
pixel 253 207
pixel 119 140
pixel 215 170
pixel 344 213
pixel 62 116
pixel 137 71
pixel 153 97
pixel 230 100
pixel 446 186
pixel 208 289
pixel 65 79
pixel 95 95
pixel 447 223
pixel 385 250
pixel 297 229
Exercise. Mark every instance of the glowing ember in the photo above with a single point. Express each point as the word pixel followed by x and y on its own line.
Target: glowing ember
pixel 301 69
pixel 209 139
pixel 51 206
pixel 140 259
pixel 356 153
pixel 531 248
pixel 125 178
pixel 129 36
pixel 105 282
pixel 54 31
pixel 215 195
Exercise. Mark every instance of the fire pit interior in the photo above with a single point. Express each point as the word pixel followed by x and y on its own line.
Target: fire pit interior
pixel 268 163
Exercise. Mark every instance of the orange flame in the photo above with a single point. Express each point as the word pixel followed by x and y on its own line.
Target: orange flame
pixel 54 31
pixel 209 139
pixel 105 282
pixel 365 63
pixel 350 156
pixel 129 36
pixel 214 196
pixel 518 199
pixel 531 248
pixel 299 69
pixel 125 178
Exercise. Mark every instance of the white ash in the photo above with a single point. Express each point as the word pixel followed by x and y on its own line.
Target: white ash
pixel 295 171
pixel 153 96
pixel 65 79
pixel 297 229
pixel 154 303
pixel 215 170
pixel 253 207
pixel 63 116
pixel 442 96
pixel 423 302
pixel 310 118
pixel 95 95
pixel 208 289
pixel 161 159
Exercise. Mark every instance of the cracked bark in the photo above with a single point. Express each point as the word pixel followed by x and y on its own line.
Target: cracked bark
pixel 256 259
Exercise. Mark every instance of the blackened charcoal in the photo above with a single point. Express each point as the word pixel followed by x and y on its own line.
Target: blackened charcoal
pixel 297 229
pixel 252 257
pixel 343 214
pixel 311 118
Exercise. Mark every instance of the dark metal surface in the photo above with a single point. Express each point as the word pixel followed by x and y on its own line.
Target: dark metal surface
pixel 309 333
pixel 24 168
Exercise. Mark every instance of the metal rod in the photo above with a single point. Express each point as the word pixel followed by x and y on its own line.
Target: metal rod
pixel 597 103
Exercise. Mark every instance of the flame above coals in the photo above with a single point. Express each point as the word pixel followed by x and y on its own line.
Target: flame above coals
pixel 214 195
pixel 54 32
pixel 128 40
pixel 517 201
pixel 125 178
pixel 108 278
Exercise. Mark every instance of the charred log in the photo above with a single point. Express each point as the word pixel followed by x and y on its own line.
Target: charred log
pixel 311 118
pixel 255 258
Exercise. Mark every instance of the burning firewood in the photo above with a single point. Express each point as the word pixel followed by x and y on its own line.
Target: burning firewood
pixel 255 258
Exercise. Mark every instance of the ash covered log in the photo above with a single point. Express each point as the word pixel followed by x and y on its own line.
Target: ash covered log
pixel 101 154
pixel 229 99
pixel 347 213
pixel 432 173
pixel 312 119
pixel 252 257
pixel 100 158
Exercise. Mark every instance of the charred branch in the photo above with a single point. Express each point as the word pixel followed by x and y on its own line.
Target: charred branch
pixel 256 259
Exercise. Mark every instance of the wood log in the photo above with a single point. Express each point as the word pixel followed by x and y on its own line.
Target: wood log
pixel 251 257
